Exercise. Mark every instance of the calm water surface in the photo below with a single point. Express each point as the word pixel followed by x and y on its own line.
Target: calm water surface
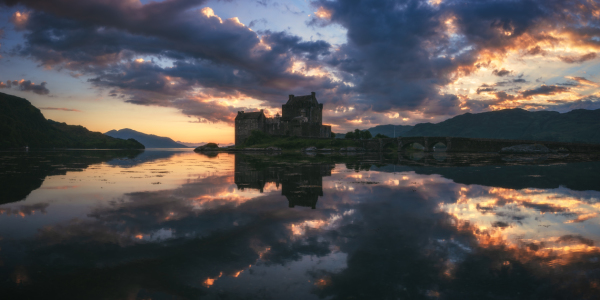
pixel 181 225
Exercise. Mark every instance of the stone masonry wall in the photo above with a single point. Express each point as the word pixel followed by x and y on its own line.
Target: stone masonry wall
pixel 244 127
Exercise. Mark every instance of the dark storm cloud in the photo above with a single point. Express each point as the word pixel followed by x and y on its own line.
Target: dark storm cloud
pixel 578 59
pixel 147 83
pixel 545 90
pixel 26 86
pixel 398 52
pixel 398 55
pixel 103 38
pixel 285 42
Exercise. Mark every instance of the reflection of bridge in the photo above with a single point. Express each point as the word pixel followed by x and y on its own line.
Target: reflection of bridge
pixel 459 144
pixel 301 184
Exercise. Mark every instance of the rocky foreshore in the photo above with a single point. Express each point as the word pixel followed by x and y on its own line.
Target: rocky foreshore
pixel 517 149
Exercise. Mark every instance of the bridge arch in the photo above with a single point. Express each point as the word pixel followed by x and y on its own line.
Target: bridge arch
pixel 439 146
pixel 416 145
pixel 433 141
pixel 388 144
pixel 481 145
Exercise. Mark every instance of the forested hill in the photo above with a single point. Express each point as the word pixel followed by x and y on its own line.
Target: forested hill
pixel 148 140
pixel 22 124
pixel 390 130
pixel 575 126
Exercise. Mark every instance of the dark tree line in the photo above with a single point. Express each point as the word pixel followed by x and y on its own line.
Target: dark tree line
pixel 363 135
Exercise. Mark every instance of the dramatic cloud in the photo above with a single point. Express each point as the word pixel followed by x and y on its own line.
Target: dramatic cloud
pixel 502 72
pixel 400 56
pixel 400 53
pixel 537 50
pixel 578 59
pixel 206 51
pixel 545 90
pixel 19 19
pixel 26 86
pixel 583 80
pixel 485 88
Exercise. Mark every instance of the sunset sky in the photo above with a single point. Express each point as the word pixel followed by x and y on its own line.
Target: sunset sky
pixel 183 68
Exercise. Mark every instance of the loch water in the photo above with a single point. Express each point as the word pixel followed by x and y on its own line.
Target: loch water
pixel 174 224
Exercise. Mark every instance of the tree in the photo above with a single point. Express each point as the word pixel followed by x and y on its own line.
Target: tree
pixel 333 135
pixel 365 135
pixel 349 135
pixel 381 136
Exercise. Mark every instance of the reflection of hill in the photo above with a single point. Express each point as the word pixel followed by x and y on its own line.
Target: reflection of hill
pixel 148 140
pixel 575 176
pixel 143 157
pixel 23 172
pixel 301 183
pixel 574 172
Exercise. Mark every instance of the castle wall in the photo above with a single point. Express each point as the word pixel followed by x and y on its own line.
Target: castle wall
pixel 316 114
pixel 297 129
pixel 244 127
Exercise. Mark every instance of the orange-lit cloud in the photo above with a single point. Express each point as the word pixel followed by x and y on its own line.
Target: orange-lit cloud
pixel 19 19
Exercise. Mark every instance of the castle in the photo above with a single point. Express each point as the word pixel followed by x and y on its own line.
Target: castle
pixel 301 116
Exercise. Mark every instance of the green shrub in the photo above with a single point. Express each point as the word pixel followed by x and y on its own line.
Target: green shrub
pixel 381 136
pixel 257 137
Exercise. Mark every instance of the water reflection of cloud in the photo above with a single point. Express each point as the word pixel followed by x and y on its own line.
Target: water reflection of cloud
pixel 375 234
pixel 537 222
pixel 24 210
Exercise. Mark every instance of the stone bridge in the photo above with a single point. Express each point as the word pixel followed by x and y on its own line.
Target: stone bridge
pixel 459 144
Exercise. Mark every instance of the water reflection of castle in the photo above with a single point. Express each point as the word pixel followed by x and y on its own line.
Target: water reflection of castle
pixel 301 184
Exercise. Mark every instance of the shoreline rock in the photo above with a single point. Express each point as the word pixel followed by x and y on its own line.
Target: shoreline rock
pixel 526 149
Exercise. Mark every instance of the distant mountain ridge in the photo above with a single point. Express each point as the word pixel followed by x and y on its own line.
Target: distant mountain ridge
pixel 22 124
pixel 148 140
pixel 582 126
pixel 579 126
